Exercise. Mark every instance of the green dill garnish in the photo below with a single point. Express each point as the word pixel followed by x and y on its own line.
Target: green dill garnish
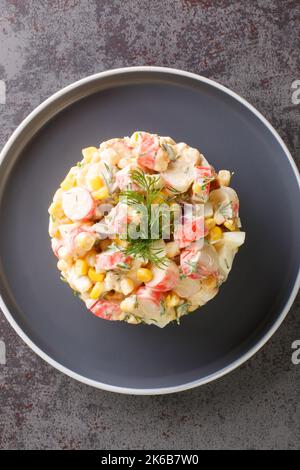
pixel 79 164
pixel 132 197
pixel 143 198
pixel 108 178
pixel 177 195
pixel 193 265
pixel 123 266
pixel 113 247
pixel 205 181
pixel 109 170
pixel 144 249
pixel 63 279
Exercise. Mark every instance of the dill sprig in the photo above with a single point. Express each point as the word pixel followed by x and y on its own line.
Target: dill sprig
pixel 144 249
pixel 146 194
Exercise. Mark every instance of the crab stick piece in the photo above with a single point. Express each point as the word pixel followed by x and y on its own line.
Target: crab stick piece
pixel 164 278
pixel 150 154
pixel 106 309
pixel 112 259
pixel 78 204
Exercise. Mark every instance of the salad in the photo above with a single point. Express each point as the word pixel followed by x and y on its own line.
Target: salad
pixel 144 229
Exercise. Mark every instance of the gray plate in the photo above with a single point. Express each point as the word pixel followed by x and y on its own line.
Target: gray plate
pixel 264 279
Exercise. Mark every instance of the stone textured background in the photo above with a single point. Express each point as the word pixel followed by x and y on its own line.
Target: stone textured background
pixel 251 47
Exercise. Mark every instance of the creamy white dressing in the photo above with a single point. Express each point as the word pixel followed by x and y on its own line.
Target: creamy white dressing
pixel 82 216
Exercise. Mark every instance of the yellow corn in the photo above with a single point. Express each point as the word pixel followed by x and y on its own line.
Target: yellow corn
pixel 56 209
pixel 230 225
pixel 122 243
pixel 197 188
pixel 135 136
pixel 172 249
pixel 96 157
pixel 224 177
pixel 62 265
pixel 97 290
pixel 209 282
pixel 215 234
pixel 94 276
pixel 210 223
pixel 84 241
pixel 159 199
pixel 81 267
pixel 144 275
pixel 95 183
pixel 128 305
pixel 101 194
pixel 68 182
pixel 172 300
pixel 87 153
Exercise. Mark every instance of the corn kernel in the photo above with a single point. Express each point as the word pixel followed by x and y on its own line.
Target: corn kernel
pixel 84 241
pixel 132 320
pixel 224 177
pixel 219 218
pixel 172 249
pixel 97 290
pixel 209 282
pixel 230 225
pixel 215 234
pixel 159 199
pixel 135 136
pixel 81 267
pixel 144 275
pixel 87 153
pixel 101 194
pixel 127 285
pixel 94 276
pixel 128 305
pixel 210 223
pixel 122 243
pixel 197 188
pixel 172 300
pixel 62 265
pixel 95 183
pixel 68 182
pixel 56 209
pixel 96 157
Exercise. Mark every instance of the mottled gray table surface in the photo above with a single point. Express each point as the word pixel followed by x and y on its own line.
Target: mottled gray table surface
pixel 251 47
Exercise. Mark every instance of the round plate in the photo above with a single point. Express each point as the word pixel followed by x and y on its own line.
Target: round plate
pixel 265 276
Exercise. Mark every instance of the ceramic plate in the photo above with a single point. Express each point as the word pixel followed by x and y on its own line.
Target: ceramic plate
pixel 265 276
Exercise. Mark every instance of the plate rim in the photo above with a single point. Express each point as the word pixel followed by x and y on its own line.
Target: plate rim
pixel 247 355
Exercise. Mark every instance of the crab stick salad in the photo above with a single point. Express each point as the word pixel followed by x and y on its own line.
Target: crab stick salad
pixel 102 220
